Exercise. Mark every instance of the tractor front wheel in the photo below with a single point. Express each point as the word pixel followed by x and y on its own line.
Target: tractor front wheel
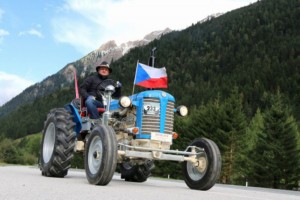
pixel 101 155
pixel 203 174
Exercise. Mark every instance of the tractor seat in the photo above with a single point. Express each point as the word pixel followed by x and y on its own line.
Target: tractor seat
pixel 84 113
pixel 101 110
pixel 83 109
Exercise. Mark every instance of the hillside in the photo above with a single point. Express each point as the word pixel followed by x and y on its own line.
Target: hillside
pixel 255 48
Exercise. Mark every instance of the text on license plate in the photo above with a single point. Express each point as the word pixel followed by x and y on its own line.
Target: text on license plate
pixel 161 137
pixel 151 108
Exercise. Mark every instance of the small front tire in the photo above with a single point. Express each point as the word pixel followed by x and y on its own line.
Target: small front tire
pixel 101 155
pixel 204 175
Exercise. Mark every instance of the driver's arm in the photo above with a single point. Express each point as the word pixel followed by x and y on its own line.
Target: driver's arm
pixel 117 93
pixel 84 87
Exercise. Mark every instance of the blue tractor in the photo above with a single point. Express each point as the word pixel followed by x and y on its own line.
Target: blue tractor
pixel 134 131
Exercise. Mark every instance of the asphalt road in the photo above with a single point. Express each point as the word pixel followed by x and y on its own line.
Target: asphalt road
pixel 26 183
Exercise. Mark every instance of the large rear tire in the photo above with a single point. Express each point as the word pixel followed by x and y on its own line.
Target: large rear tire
pixel 101 155
pixel 136 173
pixel 204 175
pixel 58 143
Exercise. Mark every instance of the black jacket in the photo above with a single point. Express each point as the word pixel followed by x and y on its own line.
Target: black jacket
pixel 92 85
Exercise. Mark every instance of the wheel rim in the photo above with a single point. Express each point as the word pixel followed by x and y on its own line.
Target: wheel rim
pixel 95 155
pixel 197 170
pixel 49 141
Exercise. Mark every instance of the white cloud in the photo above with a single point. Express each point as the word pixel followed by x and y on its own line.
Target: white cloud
pixel 33 32
pixel 87 24
pixel 79 35
pixel 3 33
pixel 11 85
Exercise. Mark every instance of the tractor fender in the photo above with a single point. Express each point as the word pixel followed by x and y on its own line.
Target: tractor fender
pixel 76 119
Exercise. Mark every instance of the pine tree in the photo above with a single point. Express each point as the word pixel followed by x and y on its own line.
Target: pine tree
pixel 234 123
pixel 278 159
pixel 257 138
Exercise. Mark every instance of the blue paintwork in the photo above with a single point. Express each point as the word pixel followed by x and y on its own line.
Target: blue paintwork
pixel 114 105
pixel 77 118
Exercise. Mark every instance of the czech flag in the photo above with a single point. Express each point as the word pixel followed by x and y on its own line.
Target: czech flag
pixel 150 77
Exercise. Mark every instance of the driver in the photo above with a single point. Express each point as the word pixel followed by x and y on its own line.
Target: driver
pixel 94 85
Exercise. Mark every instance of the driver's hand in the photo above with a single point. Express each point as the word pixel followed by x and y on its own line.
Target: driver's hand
pixel 118 84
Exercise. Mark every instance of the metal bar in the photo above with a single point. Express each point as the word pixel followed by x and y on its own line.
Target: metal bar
pixel 200 150
pixel 156 156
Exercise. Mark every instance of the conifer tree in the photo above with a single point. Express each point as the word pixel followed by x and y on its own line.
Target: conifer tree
pixel 255 132
pixel 234 123
pixel 277 152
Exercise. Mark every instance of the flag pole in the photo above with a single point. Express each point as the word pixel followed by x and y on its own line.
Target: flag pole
pixel 135 76
pixel 152 60
pixel 152 57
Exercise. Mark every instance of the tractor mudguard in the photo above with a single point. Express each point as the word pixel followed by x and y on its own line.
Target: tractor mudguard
pixel 77 118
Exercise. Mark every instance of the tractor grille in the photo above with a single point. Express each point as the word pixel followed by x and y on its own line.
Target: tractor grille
pixel 169 118
pixel 151 123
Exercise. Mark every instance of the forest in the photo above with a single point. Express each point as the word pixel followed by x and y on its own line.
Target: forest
pixel 239 74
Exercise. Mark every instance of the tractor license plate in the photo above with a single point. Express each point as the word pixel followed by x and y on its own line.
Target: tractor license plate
pixel 151 108
pixel 161 137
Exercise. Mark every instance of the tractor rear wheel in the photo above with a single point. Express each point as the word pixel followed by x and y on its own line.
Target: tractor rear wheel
pixel 58 143
pixel 101 155
pixel 136 173
pixel 203 174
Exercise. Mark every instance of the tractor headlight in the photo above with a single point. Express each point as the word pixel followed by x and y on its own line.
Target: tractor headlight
pixel 182 110
pixel 124 101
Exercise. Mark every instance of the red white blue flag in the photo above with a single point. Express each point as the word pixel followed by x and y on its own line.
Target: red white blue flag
pixel 150 77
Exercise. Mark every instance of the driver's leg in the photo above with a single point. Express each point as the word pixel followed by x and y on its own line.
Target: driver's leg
pixel 91 106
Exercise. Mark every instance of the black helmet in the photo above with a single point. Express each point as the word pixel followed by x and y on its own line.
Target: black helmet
pixel 103 64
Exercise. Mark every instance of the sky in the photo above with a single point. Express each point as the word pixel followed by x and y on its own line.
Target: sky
pixel 38 38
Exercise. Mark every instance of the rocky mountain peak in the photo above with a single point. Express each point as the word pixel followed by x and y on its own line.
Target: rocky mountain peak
pixel 107 46
pixel 111 51
pixel 156 34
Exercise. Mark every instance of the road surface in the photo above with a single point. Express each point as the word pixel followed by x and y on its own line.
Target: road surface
pixel 26 183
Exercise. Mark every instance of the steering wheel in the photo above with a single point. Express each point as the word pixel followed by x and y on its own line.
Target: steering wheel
pixel 101 87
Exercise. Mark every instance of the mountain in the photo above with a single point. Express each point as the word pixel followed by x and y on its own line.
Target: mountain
pixel 108 51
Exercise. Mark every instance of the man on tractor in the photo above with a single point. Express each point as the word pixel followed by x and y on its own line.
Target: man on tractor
pixel 92 88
